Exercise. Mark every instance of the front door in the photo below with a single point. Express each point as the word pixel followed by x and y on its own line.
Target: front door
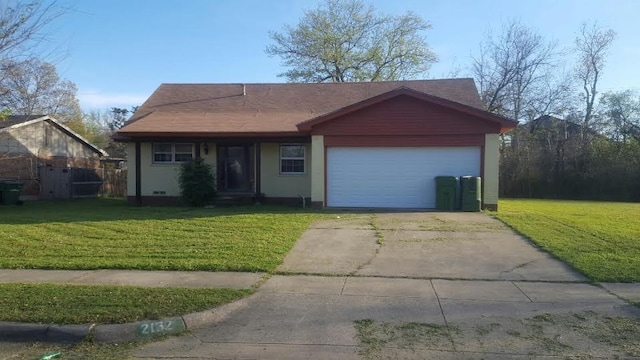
pixel 235 168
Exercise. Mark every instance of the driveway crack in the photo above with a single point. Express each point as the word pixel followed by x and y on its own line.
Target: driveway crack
pixel 516 267
pixel 523 293
pixel 444 317
pixel 344 284
pixel 378 245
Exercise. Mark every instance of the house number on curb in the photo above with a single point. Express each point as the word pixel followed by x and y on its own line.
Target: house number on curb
pixel 159 327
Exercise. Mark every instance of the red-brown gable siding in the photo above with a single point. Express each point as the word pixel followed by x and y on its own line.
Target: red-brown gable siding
pixel 404 141
pixel 405 116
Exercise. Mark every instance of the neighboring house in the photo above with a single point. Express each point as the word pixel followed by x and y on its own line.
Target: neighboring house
pixel 373 144
pixel 30 142
pixel 550 130
pixel 565 128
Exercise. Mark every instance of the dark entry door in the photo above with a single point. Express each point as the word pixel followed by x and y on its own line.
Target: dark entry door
pixel 234 168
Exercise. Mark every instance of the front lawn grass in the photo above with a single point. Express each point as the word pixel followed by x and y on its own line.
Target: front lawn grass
pixel 109 234
pixel 85 350
pixel 88 304
pixel 600 239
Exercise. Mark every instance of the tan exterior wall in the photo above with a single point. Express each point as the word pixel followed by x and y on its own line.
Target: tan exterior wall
pixel 491 169
pixel 317 168
pixel 157 179
pixel 274 184
pixel 211 157
pixel 43 140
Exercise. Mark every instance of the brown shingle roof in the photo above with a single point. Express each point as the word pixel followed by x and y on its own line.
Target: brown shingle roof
pixel 277 108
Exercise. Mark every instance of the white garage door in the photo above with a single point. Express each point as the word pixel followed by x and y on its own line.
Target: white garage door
pixel 394 177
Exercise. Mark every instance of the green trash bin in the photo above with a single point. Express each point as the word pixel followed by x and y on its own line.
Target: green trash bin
pixel 446 193
pixel 471 193
pixel 10 192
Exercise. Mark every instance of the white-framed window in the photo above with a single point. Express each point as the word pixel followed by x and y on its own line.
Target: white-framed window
pixel 172 153
pixel 292 159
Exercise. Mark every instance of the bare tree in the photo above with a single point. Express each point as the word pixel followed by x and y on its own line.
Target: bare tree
pixel 104 124
pixel 33 87
pixel 592 44
pixel 510 66
pixel 346 40
pixel 553 94
pixel 621 112
pixel 22 28
pixel 23 24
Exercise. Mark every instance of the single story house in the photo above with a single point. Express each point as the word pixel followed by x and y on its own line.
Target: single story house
pixel 29 143
pixel 368 144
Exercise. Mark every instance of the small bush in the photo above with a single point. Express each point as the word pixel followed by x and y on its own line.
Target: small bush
pixel 197 182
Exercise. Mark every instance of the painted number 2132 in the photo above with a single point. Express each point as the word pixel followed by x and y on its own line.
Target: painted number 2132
pixel 156 327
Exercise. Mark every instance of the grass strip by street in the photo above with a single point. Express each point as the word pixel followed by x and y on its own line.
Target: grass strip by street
pixel 85 350
pixel 83 304
pixel 109 234
pixel 599 239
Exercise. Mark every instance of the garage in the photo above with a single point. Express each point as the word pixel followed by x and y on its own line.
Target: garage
pixel 394 177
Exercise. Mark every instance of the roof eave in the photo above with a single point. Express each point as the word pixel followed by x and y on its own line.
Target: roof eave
pixel 138 135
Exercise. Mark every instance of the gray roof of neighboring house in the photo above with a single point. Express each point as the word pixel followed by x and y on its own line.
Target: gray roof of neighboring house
pixel 17 119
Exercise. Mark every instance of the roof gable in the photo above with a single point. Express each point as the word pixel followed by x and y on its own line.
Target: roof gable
pixel 18 121
pixel 504 123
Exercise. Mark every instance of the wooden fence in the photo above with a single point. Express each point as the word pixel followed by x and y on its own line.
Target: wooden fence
pixel 114 183
pixel 72 183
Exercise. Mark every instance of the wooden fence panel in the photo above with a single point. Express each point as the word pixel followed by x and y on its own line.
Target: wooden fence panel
pixel 114 182
pixel 85 182
pixel 71 183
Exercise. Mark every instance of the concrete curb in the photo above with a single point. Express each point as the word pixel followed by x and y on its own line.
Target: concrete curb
pixel 118 333
pixel 12 331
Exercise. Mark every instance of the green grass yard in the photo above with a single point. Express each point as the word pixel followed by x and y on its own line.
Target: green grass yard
pixel 109 234
pixel 82 304
pixel 600 239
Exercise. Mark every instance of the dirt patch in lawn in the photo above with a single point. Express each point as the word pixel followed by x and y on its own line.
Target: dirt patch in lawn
pixel 583 335
pixel 439 221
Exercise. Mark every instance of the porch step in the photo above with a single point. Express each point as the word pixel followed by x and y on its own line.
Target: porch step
pixel 234 199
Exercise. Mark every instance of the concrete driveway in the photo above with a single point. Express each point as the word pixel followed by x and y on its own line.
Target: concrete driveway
pixel 423 245
pixel 479 291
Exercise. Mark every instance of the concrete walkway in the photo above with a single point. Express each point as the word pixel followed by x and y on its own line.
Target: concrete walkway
pixel 315 317
pixel 312 284
pixel 189 279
